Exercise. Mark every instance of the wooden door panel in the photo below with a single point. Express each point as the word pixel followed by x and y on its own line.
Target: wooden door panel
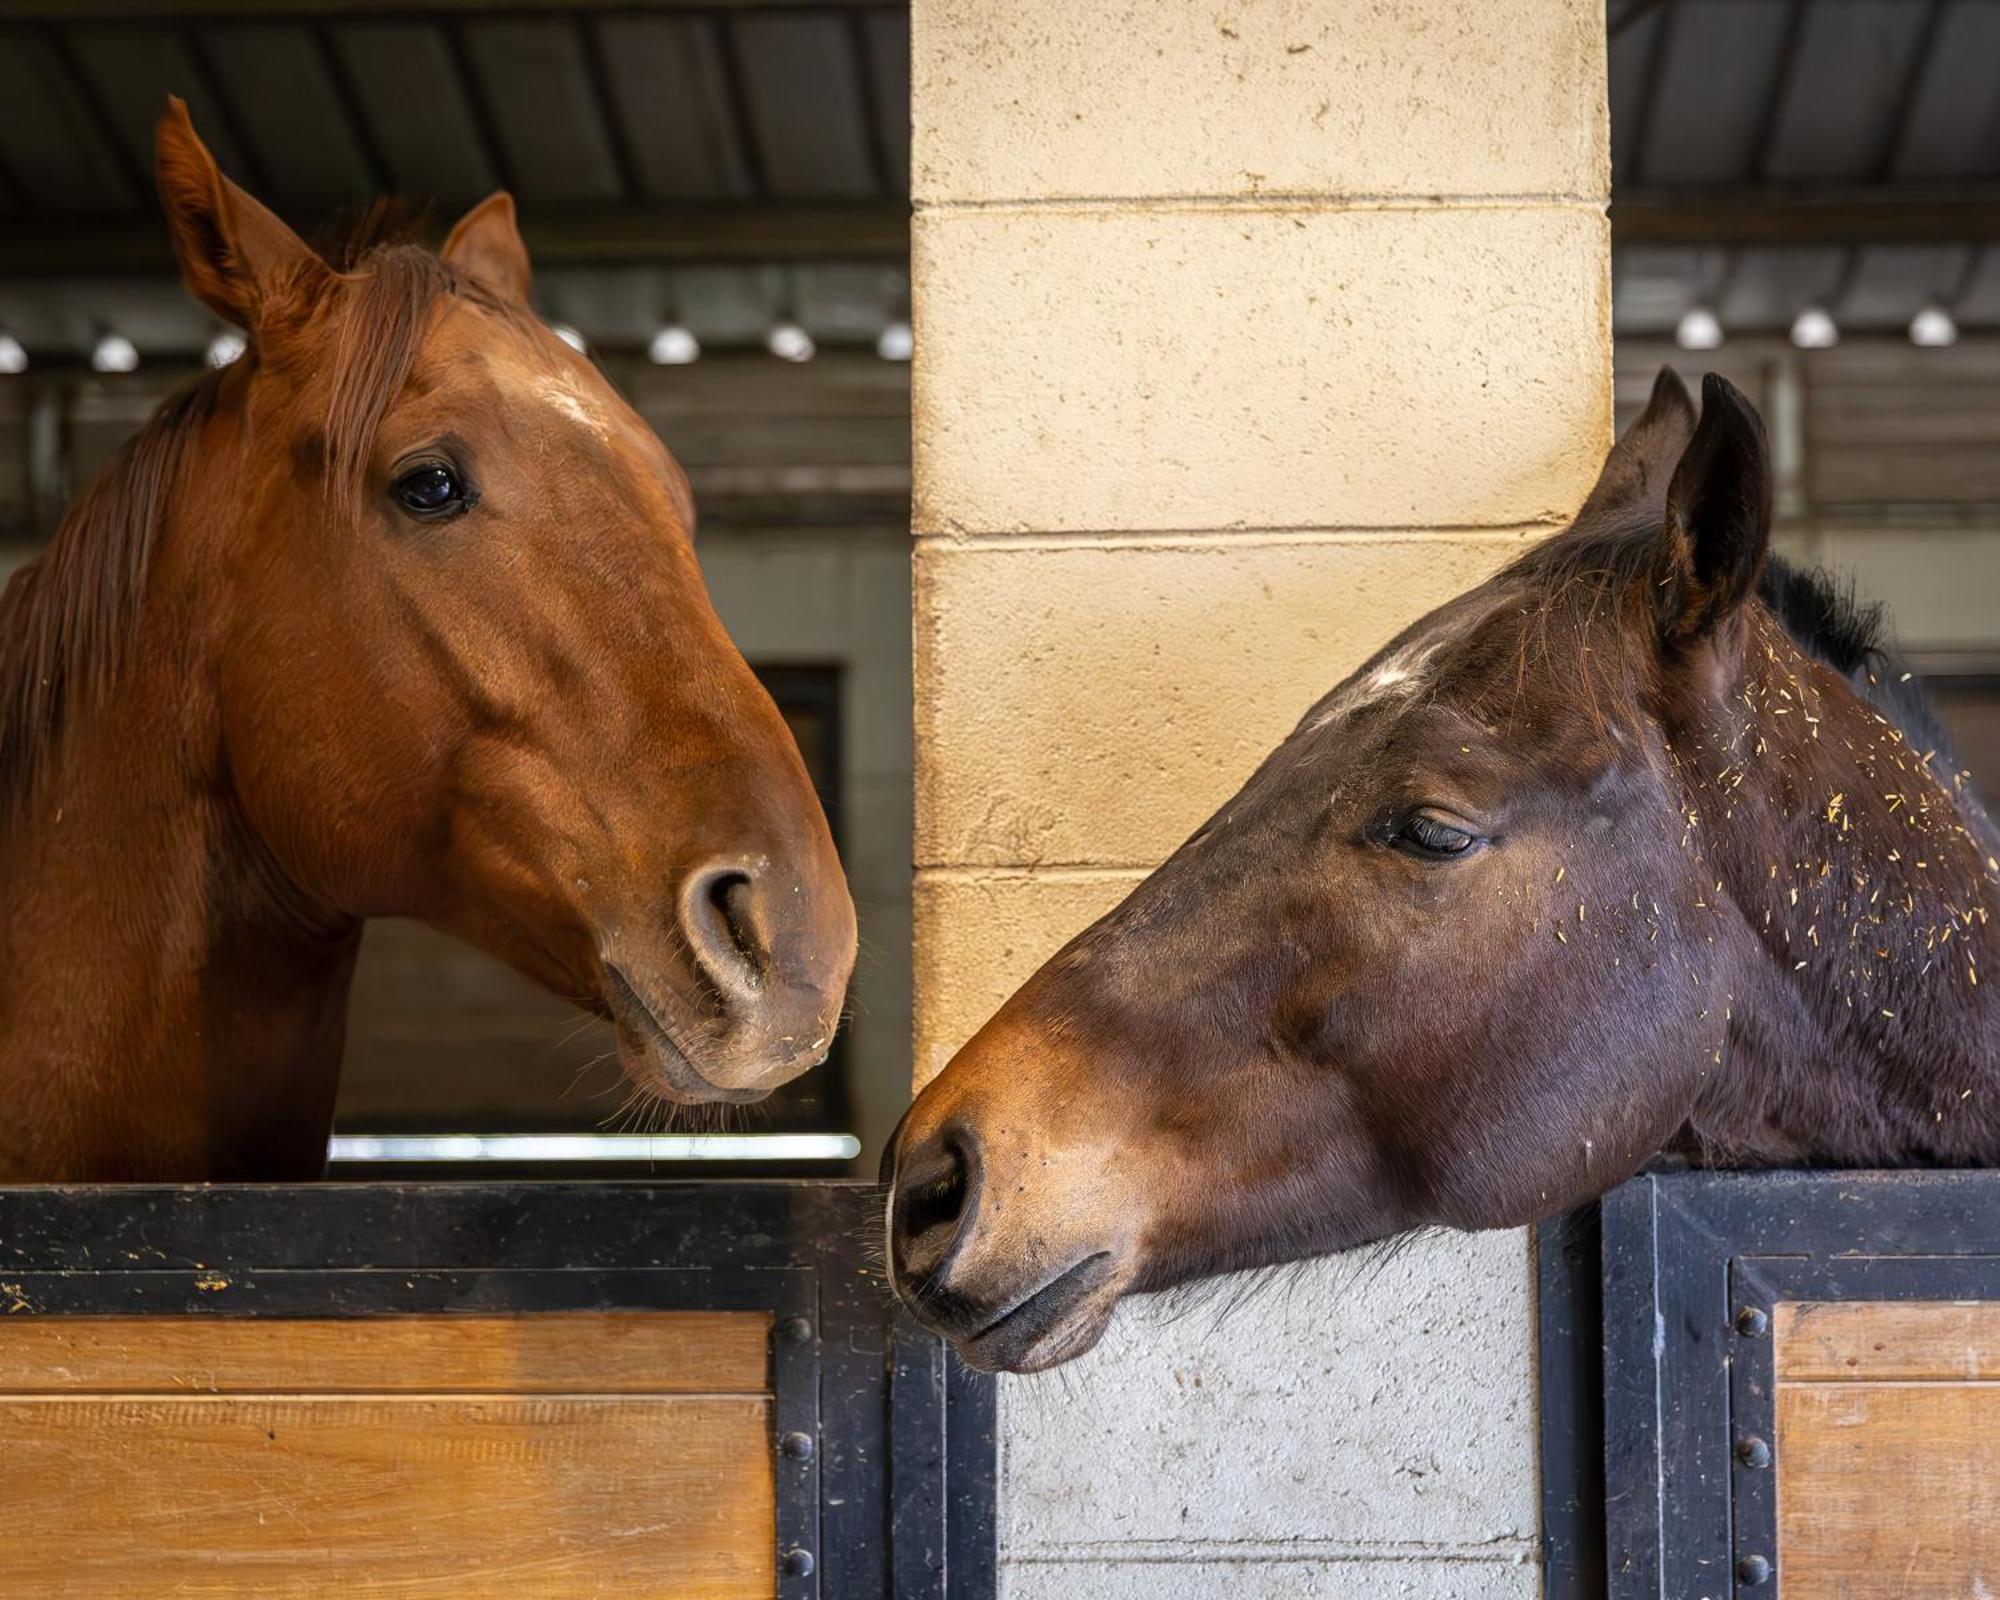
pixel 631 1353
pixel 1843 1341
pixel 477 1391
pixel 1888 1448
pixel 610 1455
pixel 1888 1491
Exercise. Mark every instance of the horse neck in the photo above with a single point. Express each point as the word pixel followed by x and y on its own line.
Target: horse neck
pixel 168 1010
pixel 1867 1020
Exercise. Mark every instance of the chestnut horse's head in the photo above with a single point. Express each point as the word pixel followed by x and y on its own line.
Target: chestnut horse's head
pixel 465 663
pixel 1458 953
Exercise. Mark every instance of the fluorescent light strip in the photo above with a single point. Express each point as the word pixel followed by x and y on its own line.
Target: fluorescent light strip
pixel 458 1147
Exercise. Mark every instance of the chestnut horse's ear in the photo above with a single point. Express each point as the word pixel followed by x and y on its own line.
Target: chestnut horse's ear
pixel 1636 471
pixel 486 245
pixel 236 256
pixel 1718 521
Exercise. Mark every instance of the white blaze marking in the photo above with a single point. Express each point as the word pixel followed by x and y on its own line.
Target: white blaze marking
pixel 561 395
pixel 1401 676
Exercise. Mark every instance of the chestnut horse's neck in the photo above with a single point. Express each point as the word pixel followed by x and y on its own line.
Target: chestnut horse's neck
pixel 1855 873
pixel 167 1007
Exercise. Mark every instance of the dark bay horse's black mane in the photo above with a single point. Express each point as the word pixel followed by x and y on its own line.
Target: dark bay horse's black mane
pixel 1826 619
pixel 1830 622
pixel 1823 616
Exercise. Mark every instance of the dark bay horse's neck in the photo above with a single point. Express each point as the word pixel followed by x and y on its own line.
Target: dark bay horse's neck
pixel 166 1011
pixel 1866 1021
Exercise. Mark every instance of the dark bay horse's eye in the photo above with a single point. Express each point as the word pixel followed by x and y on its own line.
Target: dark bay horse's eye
pixel 1421 833
pixel 431 490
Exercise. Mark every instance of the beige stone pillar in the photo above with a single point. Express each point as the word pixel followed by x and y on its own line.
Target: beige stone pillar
pixel 1245 333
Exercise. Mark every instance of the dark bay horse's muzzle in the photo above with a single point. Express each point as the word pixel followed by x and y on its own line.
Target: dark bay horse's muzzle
pixel 957 1262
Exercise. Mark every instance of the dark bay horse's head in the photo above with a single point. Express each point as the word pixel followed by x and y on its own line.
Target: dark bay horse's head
pixel 1444 959
pixel 466 666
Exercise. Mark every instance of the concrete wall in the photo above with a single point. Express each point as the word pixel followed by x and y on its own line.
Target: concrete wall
pixel 1244 334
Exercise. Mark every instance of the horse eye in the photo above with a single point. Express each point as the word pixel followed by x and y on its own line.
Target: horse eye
pixel 431 490
pixel 1422 834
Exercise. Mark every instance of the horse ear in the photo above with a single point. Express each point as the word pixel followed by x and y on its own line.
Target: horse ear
pixel 1635 473
pixel 487 245
pixel 1718 521
pixel 236 256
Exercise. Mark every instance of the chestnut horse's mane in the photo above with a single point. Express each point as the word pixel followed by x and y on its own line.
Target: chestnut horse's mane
pixel 66 620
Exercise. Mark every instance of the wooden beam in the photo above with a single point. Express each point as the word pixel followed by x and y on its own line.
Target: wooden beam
pixel 1731 218
pixel 680 235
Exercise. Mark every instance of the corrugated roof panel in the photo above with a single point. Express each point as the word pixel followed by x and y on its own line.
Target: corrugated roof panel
pixel 1978 302
pixel 615 307
pixel 849 300
pixel 1651 288
pixel 803 89
pixel 1954 127
pixel 1891 281
pixel 60 317
pixel 403 77
pixel 887 38
pixel 1722 59
pixel 272 74
pixel 668 83
pixel 1629 63
pixel 55 152
pixel 1854 57
pixel 1768 288
pixel 134 69
pixel 544 112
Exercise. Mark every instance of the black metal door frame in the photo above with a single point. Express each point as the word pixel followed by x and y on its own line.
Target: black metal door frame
pixel 883 1443
pixel 1658 1448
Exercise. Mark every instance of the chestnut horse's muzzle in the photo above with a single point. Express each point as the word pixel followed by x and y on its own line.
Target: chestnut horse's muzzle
pixel 753 999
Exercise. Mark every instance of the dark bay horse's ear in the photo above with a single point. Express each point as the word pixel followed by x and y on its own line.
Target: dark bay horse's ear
pixel 236 256
pixel 1636 471
pixel 486 245
pixel 1718 521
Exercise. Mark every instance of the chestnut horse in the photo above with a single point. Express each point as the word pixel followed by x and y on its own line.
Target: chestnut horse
pixel 397 615
pixel 1643 844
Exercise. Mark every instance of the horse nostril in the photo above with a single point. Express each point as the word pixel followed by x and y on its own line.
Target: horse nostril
pixel 730 893
pixel 719 916
pixel 937 1191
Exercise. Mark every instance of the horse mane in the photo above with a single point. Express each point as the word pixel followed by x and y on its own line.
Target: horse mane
pixel 67 619
pixel 1825 617
pixel 1604 562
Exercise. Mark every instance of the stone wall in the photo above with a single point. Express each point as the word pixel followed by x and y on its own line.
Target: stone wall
pixel 1245 333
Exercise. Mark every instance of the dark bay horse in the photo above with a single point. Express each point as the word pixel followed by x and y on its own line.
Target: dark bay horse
pixel 397 615
pixel 1644 844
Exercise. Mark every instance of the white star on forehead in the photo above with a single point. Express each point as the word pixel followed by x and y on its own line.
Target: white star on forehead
pixel 1404 674
pixel 564 396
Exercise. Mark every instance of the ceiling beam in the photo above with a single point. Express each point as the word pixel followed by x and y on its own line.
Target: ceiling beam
pixel 673 235
pixel 1735 218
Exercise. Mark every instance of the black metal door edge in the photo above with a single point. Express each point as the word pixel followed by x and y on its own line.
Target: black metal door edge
pixel 1689 1268
pixel 1570 1365
pixel 884 1444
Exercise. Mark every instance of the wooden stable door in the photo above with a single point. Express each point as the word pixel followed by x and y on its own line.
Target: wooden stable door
pixel 614 1455
pixel 564 1391
pixel 1778 1384
pixel 1888 1449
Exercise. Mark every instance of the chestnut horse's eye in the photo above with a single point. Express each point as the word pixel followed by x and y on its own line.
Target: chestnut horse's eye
pixel 431 490
pixel 1423 834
